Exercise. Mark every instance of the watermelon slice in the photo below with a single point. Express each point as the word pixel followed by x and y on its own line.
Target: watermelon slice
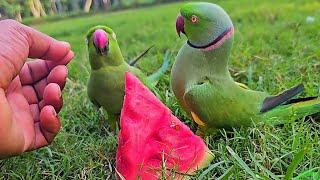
pixel 153 143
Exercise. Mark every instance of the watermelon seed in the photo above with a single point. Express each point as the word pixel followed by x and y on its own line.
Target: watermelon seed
pixel 175 126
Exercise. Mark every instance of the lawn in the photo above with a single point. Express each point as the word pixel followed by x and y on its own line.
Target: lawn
pixel 275 48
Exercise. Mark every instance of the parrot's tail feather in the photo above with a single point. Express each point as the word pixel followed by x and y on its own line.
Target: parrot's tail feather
pixel 154 78
pixel 274 101
pixel 292 101
pixel 293 111
pixel 133 62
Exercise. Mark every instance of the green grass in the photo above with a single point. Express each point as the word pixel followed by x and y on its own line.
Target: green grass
pixel 274 49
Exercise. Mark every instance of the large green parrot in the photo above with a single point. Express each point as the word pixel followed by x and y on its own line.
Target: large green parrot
pixel 108 67
pixel 204 87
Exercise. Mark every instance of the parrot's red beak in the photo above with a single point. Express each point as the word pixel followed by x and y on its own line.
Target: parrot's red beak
pixel 101 41
pixel 180 25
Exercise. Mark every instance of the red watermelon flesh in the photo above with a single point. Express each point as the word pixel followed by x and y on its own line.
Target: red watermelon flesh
pixel 152 138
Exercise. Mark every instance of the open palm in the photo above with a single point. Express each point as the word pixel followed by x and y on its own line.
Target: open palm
pixel 30 92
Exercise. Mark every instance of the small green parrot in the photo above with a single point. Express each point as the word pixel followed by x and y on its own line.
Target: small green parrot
pixel 204 87
pixel 108 67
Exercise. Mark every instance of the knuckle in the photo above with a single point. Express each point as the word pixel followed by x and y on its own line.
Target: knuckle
pixel 10 22
pixel 5 72
pixel 13 27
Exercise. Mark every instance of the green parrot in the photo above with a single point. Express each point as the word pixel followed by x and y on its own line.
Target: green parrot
pixel 106 83
pixel 204 87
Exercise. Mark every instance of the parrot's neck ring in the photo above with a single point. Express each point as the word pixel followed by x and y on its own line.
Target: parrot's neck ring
pixel 217 42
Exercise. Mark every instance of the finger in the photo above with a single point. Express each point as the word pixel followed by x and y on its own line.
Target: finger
pixel 49 121
pixel 35 111
pixel 52 96
pixel 45 47
pixel 40 87
pixel 47 128
pixel 40 139
pixel 65 61
pixel 14 50
pixel 30 94
pixel 15 85
pixel 35 70
pixel 19 42
pixel 58 75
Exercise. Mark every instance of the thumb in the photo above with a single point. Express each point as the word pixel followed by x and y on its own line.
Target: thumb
pixel 18 42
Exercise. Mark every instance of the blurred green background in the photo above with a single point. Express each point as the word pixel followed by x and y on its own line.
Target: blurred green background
pixel 276 47
pixel 27 10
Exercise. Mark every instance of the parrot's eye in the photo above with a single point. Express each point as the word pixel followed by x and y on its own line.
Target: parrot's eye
pixel 194 19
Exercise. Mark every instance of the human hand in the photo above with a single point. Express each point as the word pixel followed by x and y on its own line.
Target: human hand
pixel 30 92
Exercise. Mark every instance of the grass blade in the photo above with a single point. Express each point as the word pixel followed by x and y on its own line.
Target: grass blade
pixel 296 161
pixel 227 174
pixel 310 174
pixel 241 162
pixel 269 173
pixel 119 175
pixel 210 168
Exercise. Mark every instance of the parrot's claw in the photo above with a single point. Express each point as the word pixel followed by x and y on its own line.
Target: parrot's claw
pixel 112 120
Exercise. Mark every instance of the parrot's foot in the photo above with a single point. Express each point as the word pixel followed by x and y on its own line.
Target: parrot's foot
pixel 242 85
pixel 113 123
pixel 203 131
pixel 112 120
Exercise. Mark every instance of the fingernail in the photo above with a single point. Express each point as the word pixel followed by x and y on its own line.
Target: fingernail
pixel 60 94
pixel 72 54
pixel 66 69
pixel 65 43
pixel 54 113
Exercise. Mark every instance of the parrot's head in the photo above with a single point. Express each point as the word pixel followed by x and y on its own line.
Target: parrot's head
pixel 206 25
pixel 103 47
